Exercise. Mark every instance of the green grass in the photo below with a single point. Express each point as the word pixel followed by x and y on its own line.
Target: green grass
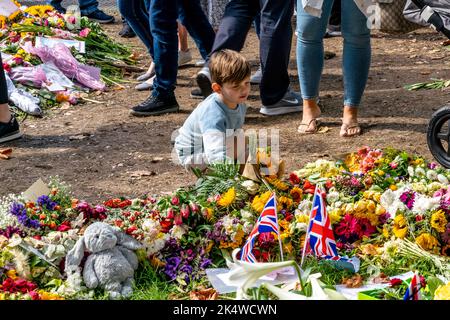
pixel 149 285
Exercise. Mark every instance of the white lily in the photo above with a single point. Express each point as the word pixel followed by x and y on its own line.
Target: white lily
pixel 318 293
pixel 244 274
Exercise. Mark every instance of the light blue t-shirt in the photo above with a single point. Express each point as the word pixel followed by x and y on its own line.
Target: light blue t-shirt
pixel 205 130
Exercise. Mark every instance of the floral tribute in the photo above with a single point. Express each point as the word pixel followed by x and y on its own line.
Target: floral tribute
pixel 389 208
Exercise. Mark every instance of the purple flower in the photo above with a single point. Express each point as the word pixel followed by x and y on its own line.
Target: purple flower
pixel 9 231
pixel 172 264
pixel 186 268
pixel 407 198
pixel 45 202
pixel 383 218
pixel 18 209
pixel 205 263
pixel 432 165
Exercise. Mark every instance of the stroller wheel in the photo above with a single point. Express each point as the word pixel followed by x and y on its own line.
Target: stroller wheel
pixel 438 136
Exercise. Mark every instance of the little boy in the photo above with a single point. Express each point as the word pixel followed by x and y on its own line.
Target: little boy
pixel 210 134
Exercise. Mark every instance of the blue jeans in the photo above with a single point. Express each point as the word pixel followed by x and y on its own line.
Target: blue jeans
pixel 86 6
pixel 164 29
pixel 137 16
pixel 356 57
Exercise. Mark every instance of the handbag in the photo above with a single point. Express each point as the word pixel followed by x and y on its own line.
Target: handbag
pixel 391 17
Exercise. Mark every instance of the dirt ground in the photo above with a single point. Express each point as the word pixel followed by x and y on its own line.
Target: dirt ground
pixel 103 152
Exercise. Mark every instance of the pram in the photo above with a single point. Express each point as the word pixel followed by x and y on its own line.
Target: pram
pixel 437 14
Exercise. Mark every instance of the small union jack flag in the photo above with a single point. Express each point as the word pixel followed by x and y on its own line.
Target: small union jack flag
pixel 267 222
pixel 320 236
pixel 412 293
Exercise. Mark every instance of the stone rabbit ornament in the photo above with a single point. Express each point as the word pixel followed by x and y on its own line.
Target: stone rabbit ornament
pixel 111 263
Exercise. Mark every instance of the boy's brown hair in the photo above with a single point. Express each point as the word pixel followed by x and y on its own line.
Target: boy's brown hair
pixel 228 66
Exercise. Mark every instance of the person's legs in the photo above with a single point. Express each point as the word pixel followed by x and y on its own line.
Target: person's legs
pixel 310 57
pixel 184 54
pixel 356 64
pixel 275 46
pixel 194 19
pixel 127 31
pixel 57 5
pixel 233 29
pixel 163 25
pixel 89 8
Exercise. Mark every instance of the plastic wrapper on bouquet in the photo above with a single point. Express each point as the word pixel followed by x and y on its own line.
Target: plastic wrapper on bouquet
pixel 25 101
pixel 62 58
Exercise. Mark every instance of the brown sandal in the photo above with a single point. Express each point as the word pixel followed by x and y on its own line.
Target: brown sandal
pixel 307 125
pixel 346 127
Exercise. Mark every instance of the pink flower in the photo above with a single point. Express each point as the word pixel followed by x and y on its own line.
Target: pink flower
pixel 175 201
pixel 394 165
pixel 84 33
pixel 72 20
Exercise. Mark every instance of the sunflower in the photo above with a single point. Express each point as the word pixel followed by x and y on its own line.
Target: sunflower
pixel 400 228
pixel 427 241
pixel 277 183
pixel 39 10
pixel 227 198
pixel 438 221
pixel 296 194
pixel 285 202
pixel 45 295
pixel 260 201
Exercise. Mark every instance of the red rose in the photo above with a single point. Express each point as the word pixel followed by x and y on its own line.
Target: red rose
pixel 131 229
pixel 294 178
pixel 63 228
pixel 419 218
pixel 395 282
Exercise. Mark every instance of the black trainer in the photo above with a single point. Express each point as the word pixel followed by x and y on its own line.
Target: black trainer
pixel 204 81
pixel 127 31
pixel 197 94
pixel 155 105
pixel 9 130
pixel 100 17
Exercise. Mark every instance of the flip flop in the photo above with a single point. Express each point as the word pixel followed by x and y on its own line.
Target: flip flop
pixel 346 127
pixel 307 125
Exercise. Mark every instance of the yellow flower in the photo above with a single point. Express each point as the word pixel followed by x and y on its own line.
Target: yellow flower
pixel 39 10
pixel 360 206
pixel 335 216
pixel 438 221
pixel 302 218
pixel 373 218
pixel 11 274
pixel 427 241
pixel 296 194
pixel 385 232
pixel 442 292
pixel 371 205
pixel 380 172
pixel 285 201
pixel 393 187
pixel 227 198
pixel 284 225
pixel 400 228
pixel 259 202
pixel 380 210
pixel 277 183
pixel 288 248
pixel 44 295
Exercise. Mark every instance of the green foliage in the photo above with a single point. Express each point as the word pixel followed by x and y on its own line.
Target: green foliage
pixel 434 84
pixel 150 285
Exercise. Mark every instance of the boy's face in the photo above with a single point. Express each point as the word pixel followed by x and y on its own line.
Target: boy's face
pixel 233 93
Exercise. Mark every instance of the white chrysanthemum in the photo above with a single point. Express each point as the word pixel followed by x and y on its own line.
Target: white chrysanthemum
pixel 337 204
pixel 151 228
pixel 442 179
pixel 247 215
pixel 6 218
pixel 248 227
pixel 420 187
pixel 153 246
pixel 301 226
pixel 250 186
pixel 411 172
pixel 304 207
pixel 333 196
pixel 423 203
pixel 432 175
pixel 178 231
pixel 227 224
pixel 420 172
pixel 391 202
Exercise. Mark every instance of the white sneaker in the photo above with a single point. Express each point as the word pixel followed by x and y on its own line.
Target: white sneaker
pixel 147 85
pixel 200 63
pixel 291 102
pixel 184 57
pixel 150 73
pixel 256 77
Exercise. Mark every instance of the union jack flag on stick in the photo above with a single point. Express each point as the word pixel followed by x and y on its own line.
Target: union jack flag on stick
pixel 267 222
pixel 320 236
pixel 412 293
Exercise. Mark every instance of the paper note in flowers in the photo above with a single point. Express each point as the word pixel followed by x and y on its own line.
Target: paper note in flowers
pixel 29 248
pixel 51 42
pixel 36 190
pixel 7 8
